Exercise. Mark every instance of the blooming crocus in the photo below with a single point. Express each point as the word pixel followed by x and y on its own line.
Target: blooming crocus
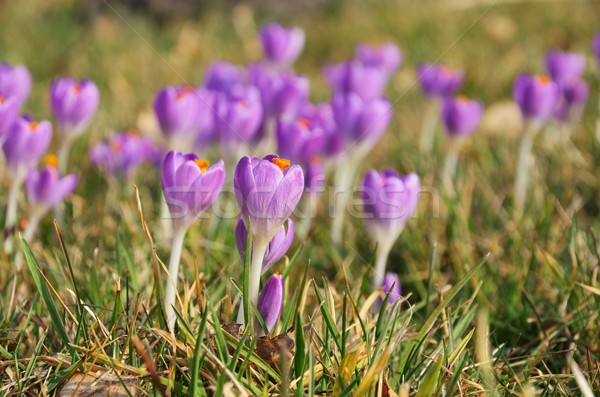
pixel 278 246
pixel 123 154
pixel 385 56
pixel 270 302
pixel 181 112
pixel 460 117
pixel 9 112
pixel 391 286
pixel 25 143
pixel 439 81
pixel 281 45
pixel 267 191
pixel 536 96
pixel 301 139
pixel 563 66
pixel 389 200
pixel 368 82
pixel 222 76
pixel 46 189
pixel 74 104
pixel 15 81
pixel 190 185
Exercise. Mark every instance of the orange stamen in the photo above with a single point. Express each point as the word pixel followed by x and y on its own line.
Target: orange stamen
pixel 33 125
pixel 1 99
pixel 51 160
pixel 132 131
pixel 544 79
pixel 77 87
pixel 202 164
pixel 304 122
pixel 462 98
pixel 183 92
pixel 281 163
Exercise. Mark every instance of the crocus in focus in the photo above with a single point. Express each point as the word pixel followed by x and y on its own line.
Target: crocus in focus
pixel 281 45
pixel 270 302
pixel 389 200
pixel 267 191
pixel 45 189
pixel 564 66
pixel 277 248
pixel 391 286
pixel 386 56
pixel 9 112
pixel 190 185
pixel 15 81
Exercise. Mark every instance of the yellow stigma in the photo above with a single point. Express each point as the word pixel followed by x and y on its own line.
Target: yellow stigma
pixel 281 163
pixel 33 125
pixel 51 160
pixel 544 79
pixel 202 164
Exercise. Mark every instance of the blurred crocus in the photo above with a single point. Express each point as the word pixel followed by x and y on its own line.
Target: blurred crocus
pixel 301 139
pixel 267 191
pixel 461 115
pixel 181 112
pixel 74 104
pixel 361 121
pixel 190 185
pixel 391 286
pixel 385 56
pixel 9 112
pixel 389 200
pixel 222 76
pixel 368 82
pixel 123 154
pixel 25 143
pixel 439 81
pixel 45 189
pixel 574 95
pixel 270 302
pixel 536 96
pixel 281 45
pixel 563 66
pixel 596 46
pixel 282 93
pixel 239 114
pixel 15 81
pixel 278 246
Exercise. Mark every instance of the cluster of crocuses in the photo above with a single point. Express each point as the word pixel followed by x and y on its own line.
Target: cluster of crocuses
pixel 25 141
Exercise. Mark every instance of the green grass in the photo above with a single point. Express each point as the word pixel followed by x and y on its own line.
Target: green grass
pixel 493 305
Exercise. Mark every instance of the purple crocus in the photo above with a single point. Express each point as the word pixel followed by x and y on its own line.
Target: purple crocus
pixel 563 66
pixel 536 96
pixel 574 95
pixel 385 56
pixel 282 93
pixel 181 112
pixel 281 45
pixel 270 301
pixel 222 76
pixel 389 200
pixel 123 154
pixel 358 120
pixel 439 81
pixel 391 286
pixel 301 139
pixel 46 188
pixel 368 82
pixel 277 248
pixel 190 185
pixel 9 112
pixel 74 104
pixel 26 141
pixel 460 115
pixel 15 81
pixel 239 114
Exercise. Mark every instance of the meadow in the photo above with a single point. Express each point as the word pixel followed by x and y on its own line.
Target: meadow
pixel 495 301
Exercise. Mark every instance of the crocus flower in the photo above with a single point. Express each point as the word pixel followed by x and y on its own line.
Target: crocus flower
pixel 391 286
pixel 358 120
pixel 439 81
pixel 9 112
pixel 536 96
pixel 368 82
pixel 460 115
pixel 46 188
pixel 386 56
pixel 190 185
pixel 239 114
pixel 389 200
pixel 270 301
pixel 15 81
pixel 277 248
pixel 267 191
pixel 574 95
pixel 180 112
pixel 301 139
pixel 222 76
pixel 282 93
pixel 26 141
pixel 74 104
pixel 281 45
pixel 563 66
pixel 123 153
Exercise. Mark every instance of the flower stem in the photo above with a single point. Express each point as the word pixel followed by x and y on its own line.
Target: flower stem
pixel 381 257
pixel 523 165
pixel 451 161
pixel 343 183
pixel 32 225
pixel 13 200
pixel 258 253
pixel 430 121
pixel 171 289
pixel 311 201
